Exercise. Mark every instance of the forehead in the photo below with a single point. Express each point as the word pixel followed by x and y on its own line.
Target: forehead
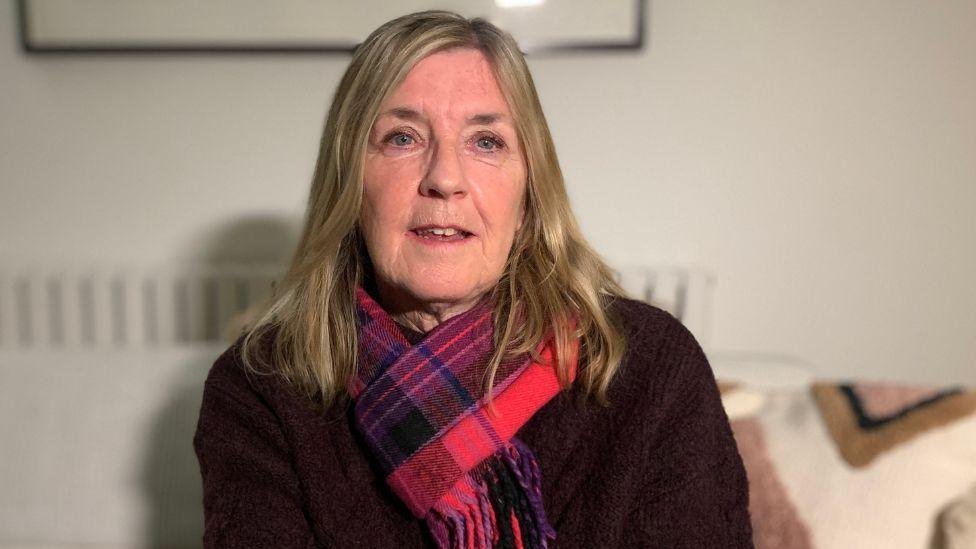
pixel 455 80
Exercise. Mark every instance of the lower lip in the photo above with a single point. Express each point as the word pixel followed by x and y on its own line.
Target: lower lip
pixel 437 242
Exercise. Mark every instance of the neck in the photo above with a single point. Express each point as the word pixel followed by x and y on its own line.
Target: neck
pixel 422 316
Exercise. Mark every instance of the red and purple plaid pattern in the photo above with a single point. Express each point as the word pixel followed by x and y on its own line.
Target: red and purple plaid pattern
pixel 418 411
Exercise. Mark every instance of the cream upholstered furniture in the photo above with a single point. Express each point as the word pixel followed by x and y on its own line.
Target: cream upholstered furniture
pixel 849 463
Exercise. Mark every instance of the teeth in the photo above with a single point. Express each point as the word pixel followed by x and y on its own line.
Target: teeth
pixel 439 232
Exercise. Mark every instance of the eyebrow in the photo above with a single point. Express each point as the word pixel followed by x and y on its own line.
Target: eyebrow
pixel 407 113
pixel 487 119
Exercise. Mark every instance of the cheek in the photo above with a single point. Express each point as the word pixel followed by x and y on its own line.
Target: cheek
pixel 384 208
pixel 389 185
pixel 505 205
pixel 503 212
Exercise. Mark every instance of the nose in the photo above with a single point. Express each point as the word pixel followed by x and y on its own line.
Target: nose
pixel 445 176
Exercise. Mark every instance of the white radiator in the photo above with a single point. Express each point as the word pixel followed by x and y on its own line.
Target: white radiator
pixel 126 308
pixel 131 309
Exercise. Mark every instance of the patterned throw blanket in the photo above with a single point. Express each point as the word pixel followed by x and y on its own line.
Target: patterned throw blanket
pixel 817 470
pixel 866 419
pixel 451 460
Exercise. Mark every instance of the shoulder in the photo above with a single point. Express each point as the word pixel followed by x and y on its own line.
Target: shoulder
pixel 665 379
pixel 259 371
pixel 693 486
pixel 663 360
pixel 650 331
pixel 229 379
pixel 228 371
pixel 634 315
pixel 236 407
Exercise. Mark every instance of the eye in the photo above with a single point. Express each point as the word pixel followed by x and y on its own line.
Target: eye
pixel 489 143
pixel 400 139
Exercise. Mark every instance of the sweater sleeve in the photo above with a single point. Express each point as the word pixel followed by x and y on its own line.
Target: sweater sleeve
pixel 696 492
pixel 251 494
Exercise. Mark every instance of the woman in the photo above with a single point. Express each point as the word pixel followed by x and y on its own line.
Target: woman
pixel 410 384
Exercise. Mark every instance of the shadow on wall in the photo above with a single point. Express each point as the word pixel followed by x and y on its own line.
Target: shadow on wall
pixel 170 475
pixel 253 239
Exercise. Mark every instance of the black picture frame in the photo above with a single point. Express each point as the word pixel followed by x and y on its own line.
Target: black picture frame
pixel 634 41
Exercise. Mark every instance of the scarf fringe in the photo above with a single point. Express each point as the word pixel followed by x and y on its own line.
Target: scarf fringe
pixel 497 504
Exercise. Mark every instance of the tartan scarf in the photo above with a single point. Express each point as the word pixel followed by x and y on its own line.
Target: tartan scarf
pixel 452 462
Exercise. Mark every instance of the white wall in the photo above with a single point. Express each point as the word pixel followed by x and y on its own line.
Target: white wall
pixel 818 158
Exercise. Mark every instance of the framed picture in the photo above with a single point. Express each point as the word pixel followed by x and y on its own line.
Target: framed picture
pixel 67 26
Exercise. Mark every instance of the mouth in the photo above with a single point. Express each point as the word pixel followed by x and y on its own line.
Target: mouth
pixel 441 233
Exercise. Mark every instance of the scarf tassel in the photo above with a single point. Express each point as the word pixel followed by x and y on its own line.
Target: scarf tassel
pixel 497 504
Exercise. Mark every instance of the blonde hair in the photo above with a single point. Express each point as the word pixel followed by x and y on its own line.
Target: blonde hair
pixel 553 284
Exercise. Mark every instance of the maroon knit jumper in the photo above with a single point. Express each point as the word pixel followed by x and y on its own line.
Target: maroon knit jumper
pixel 657 468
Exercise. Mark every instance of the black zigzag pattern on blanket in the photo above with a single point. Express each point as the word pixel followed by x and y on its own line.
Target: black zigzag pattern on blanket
pixel 868 423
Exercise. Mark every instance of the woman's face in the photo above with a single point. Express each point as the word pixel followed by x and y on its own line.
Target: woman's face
pixel 444 185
